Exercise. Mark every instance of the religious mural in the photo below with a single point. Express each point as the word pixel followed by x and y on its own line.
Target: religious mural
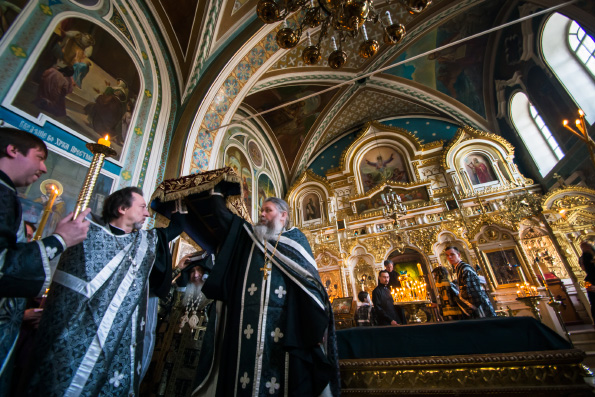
pixel 85 80
pixel 479 169
pixel 9 10
pixel 375 202
pixel 237 160
pixel 311 207
pixel 332 283
pixel 69 177
pixel 504 264
pixel 455 71
pixel 265 189
pixel 291 123
pixel 382 164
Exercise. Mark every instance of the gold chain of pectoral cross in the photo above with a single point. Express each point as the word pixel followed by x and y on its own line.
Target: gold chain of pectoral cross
pixel 267 260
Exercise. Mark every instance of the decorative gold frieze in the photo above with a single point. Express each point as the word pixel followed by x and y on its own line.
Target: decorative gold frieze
pixel 555 373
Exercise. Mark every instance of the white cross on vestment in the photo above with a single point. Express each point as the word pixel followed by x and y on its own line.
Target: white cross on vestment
pixel 118 377
pixel 280 292
pixel 248 331
pixel 139 367
pixel 244 380
pixel 142 323
pixel 252 289
pixel 273 385
pixel 277 334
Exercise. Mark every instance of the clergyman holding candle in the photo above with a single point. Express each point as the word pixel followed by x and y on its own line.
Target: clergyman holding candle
pixel 25 269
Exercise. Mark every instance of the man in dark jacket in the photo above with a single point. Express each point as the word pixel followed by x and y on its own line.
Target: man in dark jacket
pixel 24 266
pixel 384 306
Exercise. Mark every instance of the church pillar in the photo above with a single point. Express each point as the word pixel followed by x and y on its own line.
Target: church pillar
pixel 528 262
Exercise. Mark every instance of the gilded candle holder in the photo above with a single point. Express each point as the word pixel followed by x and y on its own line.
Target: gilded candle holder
pixel 532 302
pixel 100 152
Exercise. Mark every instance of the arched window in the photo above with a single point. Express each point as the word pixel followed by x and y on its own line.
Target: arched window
pixel 568 51
pixel 536 136
pixel 583 46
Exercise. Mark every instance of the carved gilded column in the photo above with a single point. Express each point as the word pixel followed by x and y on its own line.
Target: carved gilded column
pixel 528 262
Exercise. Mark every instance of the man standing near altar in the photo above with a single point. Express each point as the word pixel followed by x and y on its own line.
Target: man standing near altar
pixel 24 266
pixel 472 300
pixel 97 330
pixel 271 329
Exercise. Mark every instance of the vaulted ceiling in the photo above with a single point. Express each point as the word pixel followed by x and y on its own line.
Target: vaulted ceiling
pixel 452 84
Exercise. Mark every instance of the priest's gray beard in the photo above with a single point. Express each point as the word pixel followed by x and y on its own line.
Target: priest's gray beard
pixel 193 291
pixel 268 231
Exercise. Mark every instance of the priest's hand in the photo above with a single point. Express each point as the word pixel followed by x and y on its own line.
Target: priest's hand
pixel 393 322
pixel 73 231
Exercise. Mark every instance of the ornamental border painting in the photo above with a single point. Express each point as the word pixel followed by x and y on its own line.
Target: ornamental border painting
pixel 85 81
pixel 382 164
pixel 479 169
pixel 503 275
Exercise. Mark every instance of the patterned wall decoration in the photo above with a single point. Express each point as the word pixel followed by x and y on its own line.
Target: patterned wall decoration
pixel 265 189
pixel 369 105
pixel 381 164
pixel 237 160
pixel 227 94
pixel 76 82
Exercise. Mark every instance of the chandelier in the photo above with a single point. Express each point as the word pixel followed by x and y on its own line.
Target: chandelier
pixel 345 17
pixel 393 207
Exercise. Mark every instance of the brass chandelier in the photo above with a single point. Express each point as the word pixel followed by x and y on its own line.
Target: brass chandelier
pixel 345 17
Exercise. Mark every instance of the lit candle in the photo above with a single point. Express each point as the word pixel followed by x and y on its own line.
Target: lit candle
pixel 105 141
pixel 53 193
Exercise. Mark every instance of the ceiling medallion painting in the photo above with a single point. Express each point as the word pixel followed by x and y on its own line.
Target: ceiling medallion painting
pixel 346 18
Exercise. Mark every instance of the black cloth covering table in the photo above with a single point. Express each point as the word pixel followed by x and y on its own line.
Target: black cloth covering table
pixel 481 336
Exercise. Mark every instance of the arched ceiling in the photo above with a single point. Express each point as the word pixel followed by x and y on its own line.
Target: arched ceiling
pixel 447 85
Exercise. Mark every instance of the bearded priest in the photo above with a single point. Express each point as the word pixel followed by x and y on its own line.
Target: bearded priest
pixel 271 330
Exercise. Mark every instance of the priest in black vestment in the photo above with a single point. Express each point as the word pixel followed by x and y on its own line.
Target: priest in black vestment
pixel 271 330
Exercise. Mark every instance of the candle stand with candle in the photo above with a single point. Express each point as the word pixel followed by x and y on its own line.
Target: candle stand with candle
pixel 52 189
pixel 100 152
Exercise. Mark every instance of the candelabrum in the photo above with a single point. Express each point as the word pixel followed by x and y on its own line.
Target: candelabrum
pixel 532 301
pixel 583 135
pixel 393 207
pixel 100 151
pixel 410 291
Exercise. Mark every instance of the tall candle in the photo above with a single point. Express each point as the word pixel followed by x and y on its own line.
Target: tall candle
pixel 46 211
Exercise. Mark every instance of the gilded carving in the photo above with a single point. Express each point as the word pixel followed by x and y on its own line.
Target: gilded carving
pixel 377 246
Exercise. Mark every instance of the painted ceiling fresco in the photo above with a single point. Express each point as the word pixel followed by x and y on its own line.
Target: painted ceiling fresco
pixel 290 124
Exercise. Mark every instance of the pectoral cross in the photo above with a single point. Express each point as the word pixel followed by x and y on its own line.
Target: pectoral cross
pixel 265 269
